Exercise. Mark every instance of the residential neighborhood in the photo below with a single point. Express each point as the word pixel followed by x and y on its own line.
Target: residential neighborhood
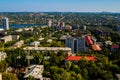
pixel 58 50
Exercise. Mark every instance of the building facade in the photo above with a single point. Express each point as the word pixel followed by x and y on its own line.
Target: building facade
pixel 49 23
pixel 5 23
pixel 76 44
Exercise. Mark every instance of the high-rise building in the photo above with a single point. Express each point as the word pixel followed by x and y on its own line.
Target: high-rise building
pixel 81 44
pixel 76 44
pixel 69 42
pixel 5 23
pixel 49 23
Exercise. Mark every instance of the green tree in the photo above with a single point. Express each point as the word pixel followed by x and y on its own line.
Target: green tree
pixel 23 59
pixel 115 69
pixel 9 76
pixel 56 77
pixel 3 66
pixel 30 78
pixel 85 74
pixel 66 76
pixel 106 75
pixel 38 57
pixel 79 77
pixel 68 65
pixel 54 69
pixel 1 46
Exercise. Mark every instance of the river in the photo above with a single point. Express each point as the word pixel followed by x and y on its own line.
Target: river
pixel 23 25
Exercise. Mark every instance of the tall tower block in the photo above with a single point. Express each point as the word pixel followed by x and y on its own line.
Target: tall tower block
pixel 5 23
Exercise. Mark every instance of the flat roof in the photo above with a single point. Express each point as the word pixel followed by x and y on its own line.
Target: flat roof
pixel 47 48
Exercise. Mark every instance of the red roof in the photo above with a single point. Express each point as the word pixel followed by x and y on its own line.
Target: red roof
pixel 96 47
pixel 88 39
pixel 77 58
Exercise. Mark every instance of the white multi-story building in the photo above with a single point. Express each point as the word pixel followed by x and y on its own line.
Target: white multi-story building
pixel 76 44
pixel 5 23
pixel 55 49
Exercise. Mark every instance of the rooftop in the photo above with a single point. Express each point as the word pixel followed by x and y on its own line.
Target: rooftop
pixel 77 58
pixel 108 42
pixel 88 39
pixel 35 71
pixel 115 46
pixel 47 48
pixel 96 47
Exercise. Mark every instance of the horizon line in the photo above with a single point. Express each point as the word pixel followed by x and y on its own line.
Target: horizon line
pixel 62 11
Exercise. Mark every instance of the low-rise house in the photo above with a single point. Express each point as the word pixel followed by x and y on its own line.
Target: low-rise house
pixel 18 44
pixel 19 30
pixel 108 42
pixel 3 55
pixel 49 41
pixel 10 70
pixel 35 43
pixel 47 57
pixel 5 39
pixel 28 29
pixel 40 39
pixel 36 71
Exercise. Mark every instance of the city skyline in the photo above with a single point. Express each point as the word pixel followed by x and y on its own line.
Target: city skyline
pixel 59 5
